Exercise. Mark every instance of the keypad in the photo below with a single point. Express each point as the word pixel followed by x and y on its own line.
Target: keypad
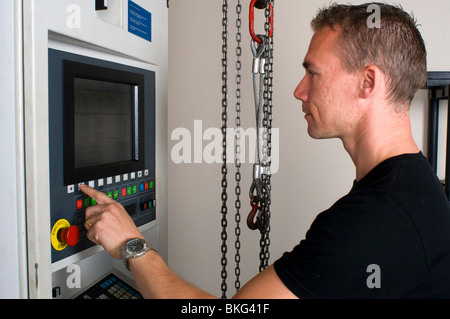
pixel 111 287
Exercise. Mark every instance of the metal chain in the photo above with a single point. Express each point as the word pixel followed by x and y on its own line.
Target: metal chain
pixel 267 139
pixel 237 217
pixel 224 169
pixel 266 149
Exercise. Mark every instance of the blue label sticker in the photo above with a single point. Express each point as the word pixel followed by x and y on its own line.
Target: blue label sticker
pixel 139 21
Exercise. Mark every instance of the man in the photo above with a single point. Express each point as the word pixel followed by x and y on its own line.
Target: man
pixel 390 236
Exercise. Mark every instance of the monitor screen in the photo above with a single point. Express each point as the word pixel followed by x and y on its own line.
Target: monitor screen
pixel 103 121
pixel 103 117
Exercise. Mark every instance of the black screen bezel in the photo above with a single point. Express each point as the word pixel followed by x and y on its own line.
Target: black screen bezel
pixel 72 70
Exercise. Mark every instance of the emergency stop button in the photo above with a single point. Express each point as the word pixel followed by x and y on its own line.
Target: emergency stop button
pixel 64 234
pixel 70 235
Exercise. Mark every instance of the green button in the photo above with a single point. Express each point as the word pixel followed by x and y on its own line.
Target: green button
pixel 110 194
pixel 129 190
pixel 150 184
pixel 116 194
pixel 87 202
pixel 134 189
pixel 93 202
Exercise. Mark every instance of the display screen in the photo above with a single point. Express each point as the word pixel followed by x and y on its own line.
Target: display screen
pixel 103 122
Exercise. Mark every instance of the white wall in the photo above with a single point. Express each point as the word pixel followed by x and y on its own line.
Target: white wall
pixel 312 174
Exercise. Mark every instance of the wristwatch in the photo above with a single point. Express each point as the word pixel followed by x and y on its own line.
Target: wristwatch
pixel 133 248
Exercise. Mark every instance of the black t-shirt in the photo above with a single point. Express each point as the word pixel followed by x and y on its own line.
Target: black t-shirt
pixel 388 238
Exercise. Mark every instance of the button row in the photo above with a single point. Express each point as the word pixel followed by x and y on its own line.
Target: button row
pixel 147 204
pixel 117 193
pixel 110 180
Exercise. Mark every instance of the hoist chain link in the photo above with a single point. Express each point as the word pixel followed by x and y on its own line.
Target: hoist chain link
pixel 237 230
pixel 224 169
pixel 267 136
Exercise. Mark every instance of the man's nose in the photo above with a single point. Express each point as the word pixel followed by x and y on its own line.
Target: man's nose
pixel 301 92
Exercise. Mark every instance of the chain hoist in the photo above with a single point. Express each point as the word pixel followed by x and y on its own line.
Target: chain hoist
pixel 262 49
pixel 260 198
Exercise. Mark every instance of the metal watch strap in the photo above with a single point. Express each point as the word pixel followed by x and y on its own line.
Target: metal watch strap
pixel 126 256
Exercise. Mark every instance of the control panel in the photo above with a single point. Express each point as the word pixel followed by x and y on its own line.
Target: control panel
pixel 101 133
pixel 134 190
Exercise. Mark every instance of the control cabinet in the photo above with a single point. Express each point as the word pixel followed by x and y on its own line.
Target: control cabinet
pixel 90 101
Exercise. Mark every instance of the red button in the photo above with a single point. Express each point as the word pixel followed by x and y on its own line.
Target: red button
pixel 70 235
pixel 124 192
pixel 79 204
pixel 146 186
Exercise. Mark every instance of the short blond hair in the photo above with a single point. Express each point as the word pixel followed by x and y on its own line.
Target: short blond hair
pixel 395 45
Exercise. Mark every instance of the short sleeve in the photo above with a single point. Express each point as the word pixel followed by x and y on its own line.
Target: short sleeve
pixel 362 247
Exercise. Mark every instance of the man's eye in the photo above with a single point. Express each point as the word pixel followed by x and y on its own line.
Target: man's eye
pixel 312 74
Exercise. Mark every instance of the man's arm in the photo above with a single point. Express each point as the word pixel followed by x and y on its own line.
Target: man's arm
pixel 109 225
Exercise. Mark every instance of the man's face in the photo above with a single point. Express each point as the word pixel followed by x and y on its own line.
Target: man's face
pixel 328 91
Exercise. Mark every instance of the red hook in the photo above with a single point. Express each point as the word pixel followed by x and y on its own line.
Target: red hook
pixel 250 219
pixel 252 21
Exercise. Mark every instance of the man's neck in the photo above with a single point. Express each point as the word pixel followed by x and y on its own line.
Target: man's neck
pixel 375 141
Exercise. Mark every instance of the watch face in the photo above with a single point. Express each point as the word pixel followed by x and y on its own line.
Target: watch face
pixel 135 246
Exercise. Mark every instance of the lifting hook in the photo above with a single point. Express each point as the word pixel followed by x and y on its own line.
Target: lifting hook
pixel 262 218
pixel 254 4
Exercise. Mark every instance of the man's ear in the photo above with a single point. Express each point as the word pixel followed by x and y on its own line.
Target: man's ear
pixel 371 77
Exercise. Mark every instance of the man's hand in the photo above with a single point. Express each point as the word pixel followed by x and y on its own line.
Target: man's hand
pixel 108 223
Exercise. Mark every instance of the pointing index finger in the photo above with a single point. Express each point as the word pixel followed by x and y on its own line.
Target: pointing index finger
pixel 99 197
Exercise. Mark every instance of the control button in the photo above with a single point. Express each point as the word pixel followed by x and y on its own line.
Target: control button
pixel 115 194
pixel 147 205
pixel 146 172
pixel 109 180
pixel 117 179
pixel 134 189
pixel 124 192
pixel 79 204
pixel 100 182
pixel 141 187
pixel 87 202
pixel 70 189
pixel 91 184
pixel 64 234
pixel 139 174
pixel 150 184
pixel 70 235
pixel 146 185
pixel 125 177
pixel 132 175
